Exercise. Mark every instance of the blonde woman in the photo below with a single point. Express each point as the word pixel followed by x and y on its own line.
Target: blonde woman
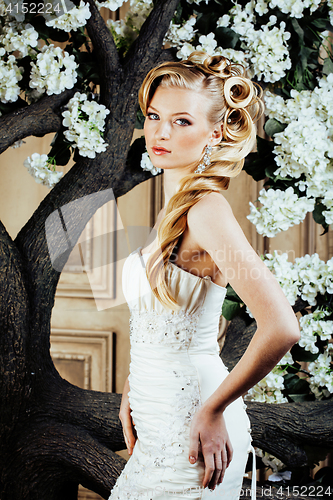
pixel 183 417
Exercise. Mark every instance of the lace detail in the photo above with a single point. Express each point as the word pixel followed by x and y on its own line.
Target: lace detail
pixel 173 441
pixel 175 329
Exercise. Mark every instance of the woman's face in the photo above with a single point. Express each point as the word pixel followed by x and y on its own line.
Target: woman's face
pixel 177 129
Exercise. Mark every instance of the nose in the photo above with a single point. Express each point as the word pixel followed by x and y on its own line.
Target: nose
pixel 163 130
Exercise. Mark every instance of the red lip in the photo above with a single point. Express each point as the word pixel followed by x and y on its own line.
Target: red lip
pixel 157 150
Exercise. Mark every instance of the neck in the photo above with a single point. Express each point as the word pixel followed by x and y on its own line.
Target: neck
pixel 171 179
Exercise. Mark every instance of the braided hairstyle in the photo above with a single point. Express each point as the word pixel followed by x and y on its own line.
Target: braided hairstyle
pixel 235 101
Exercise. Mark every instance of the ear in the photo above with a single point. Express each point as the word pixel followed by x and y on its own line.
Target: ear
pixel 217 134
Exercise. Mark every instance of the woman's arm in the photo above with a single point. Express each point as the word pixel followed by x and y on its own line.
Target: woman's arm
pixel 213 227
pixel 126 419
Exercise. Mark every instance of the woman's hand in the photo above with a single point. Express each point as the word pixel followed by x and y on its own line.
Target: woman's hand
pixel 208 432
pixel 126 420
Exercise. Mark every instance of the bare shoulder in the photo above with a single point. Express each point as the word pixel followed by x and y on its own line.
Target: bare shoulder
pixel 213 208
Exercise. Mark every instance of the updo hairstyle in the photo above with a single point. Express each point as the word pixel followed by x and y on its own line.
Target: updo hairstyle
pixel 235 101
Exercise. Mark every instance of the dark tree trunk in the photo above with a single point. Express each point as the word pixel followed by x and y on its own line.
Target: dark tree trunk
pixel 53 435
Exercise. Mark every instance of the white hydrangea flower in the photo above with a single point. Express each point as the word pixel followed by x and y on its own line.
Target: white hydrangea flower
pixel 223 22
pixel 269 389
pixel 268 51
pixel 330 10
pixel 313 326
pixel 10 75
pixel 39 167
pixel 15 38
pixel 322 374
pixel 280 210
pixel 305 147
pixel 295 8
pixel 146 164
pixel 178 34
pixel 269 460
pixel 110 4
pixel 208 43
pixel 48 73
pixel 71 20
pixel 84 132
pixel 307 277
pixel 138 13
pixel 312 273
pixel 185 50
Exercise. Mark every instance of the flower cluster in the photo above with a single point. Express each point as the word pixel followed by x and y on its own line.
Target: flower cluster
pixel 146 164
pixel 54 71
pixel 265 48
pixel 110 4
pixel 311 279
pixel 280 210
pixel 125 31
pixel 16 38
pixel 295 9
pixel 85 121
pixel 307 277
pixel 180 35
pixel 269 460
pixel 10 75
pixel 268 390
pixel 39 166
pixel 74 18
pixel 321 371
pixel 304 149
pixel 314 326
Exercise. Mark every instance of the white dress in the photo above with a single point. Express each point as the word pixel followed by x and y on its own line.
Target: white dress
pixel 175 366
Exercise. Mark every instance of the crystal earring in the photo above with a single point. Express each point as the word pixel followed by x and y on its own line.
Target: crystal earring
pixel 205 161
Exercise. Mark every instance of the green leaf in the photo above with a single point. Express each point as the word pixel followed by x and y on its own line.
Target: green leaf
pixel 232 295
pixel 230 309
pixel 140 119
pixel 317 214
pixel 300 354
pixel 297 28
pixel 273 126
pixel 60 149
pixel 298 398
pixel 226 37
pixel 328 66
pixel 257 163
pixel 135 153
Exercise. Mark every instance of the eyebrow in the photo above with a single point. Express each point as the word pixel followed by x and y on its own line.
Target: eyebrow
pixel 175 114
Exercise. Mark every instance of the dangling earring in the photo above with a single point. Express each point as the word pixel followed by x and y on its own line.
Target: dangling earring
pixel 205 161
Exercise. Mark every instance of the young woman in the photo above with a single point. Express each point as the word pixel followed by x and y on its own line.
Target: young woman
pixel 182 413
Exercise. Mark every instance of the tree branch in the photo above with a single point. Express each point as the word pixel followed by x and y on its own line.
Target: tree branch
pixel 52 455
pixel 146 49
pixel 13 333
pixel 106 54
pixel 286 429
pixel 39 118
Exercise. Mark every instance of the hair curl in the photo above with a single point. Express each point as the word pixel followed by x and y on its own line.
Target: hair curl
pixel 235 101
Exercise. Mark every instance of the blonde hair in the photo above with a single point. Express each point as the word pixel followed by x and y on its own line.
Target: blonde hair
pixel 235 101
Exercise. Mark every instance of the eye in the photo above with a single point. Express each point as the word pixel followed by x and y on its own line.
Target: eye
pixel 152 116
pixel 183 122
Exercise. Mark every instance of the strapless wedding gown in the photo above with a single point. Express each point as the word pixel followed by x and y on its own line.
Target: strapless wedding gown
pixel 175 366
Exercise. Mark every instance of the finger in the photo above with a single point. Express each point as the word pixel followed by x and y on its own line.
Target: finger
pixel 230 452
pixel 209 469
pixel 224 457
pixel 194 447
pixel 129 434
pixel 216 479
